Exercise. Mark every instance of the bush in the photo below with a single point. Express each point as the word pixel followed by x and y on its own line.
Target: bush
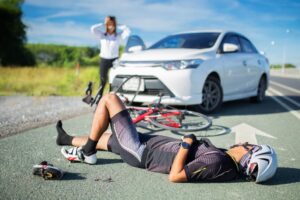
pixel 64 56
pixel 287 65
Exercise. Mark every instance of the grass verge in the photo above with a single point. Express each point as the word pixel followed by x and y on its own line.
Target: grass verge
pixel 45 81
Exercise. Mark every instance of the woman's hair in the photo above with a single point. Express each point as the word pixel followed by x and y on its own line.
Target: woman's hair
pixel 114 21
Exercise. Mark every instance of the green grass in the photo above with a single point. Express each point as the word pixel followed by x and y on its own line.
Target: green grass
pixel 46 81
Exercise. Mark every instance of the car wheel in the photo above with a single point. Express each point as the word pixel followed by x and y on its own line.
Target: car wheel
pixel 212 95
pixel 261 91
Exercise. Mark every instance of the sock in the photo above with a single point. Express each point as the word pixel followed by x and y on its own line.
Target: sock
pixel 90 147
pixel 62 138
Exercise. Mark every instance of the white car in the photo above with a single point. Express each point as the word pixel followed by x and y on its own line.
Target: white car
pixel 203 68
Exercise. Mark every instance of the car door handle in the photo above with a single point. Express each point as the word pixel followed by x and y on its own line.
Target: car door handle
pixel 245 63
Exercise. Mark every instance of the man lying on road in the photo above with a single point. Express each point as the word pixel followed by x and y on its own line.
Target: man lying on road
pixel 186 160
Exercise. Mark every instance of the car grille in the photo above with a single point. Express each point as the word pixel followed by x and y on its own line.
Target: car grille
pixel 153 86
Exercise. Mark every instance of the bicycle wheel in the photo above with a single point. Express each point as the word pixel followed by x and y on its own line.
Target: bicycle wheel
pixel 180 120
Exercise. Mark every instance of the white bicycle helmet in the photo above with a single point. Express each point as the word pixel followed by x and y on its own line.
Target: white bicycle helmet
pixel 260 163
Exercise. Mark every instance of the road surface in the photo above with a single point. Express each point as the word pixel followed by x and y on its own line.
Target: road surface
pixel 275 121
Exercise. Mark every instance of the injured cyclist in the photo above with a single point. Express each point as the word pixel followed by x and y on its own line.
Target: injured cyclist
pixel 186 160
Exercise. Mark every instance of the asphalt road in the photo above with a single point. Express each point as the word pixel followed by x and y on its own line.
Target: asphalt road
pixel 270 122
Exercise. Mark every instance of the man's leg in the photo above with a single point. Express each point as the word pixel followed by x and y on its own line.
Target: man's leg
pixel 79 141
pixel 124 139
pixel 63 138
pixel 108 106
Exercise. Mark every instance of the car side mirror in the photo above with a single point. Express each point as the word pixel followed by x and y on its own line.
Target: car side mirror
pixel 135 49
pixel 230 48
pixel 263 53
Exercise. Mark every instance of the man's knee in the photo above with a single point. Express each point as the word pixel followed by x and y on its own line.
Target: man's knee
pixel 110 98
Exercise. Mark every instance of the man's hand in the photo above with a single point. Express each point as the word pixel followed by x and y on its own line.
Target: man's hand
pixel 177 173
pixel 190 139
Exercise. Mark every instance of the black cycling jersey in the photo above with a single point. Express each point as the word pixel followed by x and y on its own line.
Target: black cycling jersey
pixel 205 162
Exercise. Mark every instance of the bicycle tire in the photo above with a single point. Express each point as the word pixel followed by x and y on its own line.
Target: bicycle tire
pixel 202 121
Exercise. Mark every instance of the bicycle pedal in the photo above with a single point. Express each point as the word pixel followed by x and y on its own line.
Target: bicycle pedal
pixel 88 99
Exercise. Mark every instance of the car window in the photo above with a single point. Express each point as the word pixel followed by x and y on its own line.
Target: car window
pixel 172 43
pixel 247 46
pixel 187 40
pixel 232 39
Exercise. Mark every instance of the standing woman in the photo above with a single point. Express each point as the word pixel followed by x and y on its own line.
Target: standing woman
pixel 110 41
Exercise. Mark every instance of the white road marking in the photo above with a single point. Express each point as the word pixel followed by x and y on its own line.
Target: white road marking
pixel 247 133
pixel 285 87
pixel 283 96
pixel 292 111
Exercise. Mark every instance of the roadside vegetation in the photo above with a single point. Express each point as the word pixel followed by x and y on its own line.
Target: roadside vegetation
pixel 63 56
pixel 44 81
pixel 59 70
pixel 286 66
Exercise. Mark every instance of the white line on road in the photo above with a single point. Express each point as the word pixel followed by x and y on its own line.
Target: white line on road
pixel 283 96
pixel 246 133
pixel 292 111
pixel 285 87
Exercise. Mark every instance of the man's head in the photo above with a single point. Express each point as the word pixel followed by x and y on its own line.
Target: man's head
pixel 258 163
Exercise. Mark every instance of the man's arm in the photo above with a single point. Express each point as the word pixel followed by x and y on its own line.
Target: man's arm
pixel 177 173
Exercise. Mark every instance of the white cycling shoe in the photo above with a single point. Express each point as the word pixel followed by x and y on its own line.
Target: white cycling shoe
pixel 75 154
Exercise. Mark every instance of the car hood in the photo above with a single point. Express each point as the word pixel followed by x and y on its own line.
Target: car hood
pixel 165 54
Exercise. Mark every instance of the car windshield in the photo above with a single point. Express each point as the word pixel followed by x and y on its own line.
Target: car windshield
pixel 188 40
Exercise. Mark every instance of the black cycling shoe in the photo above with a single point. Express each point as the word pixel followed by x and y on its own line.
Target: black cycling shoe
pixel 47 171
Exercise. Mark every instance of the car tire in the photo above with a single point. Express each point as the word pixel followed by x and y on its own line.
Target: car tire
pixel 212 96
pixel 261 91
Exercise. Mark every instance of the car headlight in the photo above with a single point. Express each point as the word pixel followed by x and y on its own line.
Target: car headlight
pixel 182 64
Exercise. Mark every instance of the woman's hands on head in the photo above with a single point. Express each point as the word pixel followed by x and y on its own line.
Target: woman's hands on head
pixel 106 20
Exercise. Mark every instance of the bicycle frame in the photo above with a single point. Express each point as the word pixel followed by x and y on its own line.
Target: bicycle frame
pixel 150 111
pixel 156 114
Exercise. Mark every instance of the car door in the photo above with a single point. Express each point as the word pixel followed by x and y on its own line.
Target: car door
pixel 234 74
pixel 251 63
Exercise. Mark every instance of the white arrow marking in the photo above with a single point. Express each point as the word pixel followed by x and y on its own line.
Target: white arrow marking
pixel 247 133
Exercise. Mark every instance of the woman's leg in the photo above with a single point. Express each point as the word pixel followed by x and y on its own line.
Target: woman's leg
pixel 105 65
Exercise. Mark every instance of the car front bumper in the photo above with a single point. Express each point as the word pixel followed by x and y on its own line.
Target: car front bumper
pixel 179 87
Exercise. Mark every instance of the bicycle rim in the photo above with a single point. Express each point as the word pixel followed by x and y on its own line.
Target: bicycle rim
pixel 184 121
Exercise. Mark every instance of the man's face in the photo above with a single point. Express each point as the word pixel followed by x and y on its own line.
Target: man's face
pixel 242 148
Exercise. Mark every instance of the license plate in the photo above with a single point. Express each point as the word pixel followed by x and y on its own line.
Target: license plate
pixel 133 83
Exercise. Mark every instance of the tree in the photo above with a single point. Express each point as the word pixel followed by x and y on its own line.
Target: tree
pixel 13 35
